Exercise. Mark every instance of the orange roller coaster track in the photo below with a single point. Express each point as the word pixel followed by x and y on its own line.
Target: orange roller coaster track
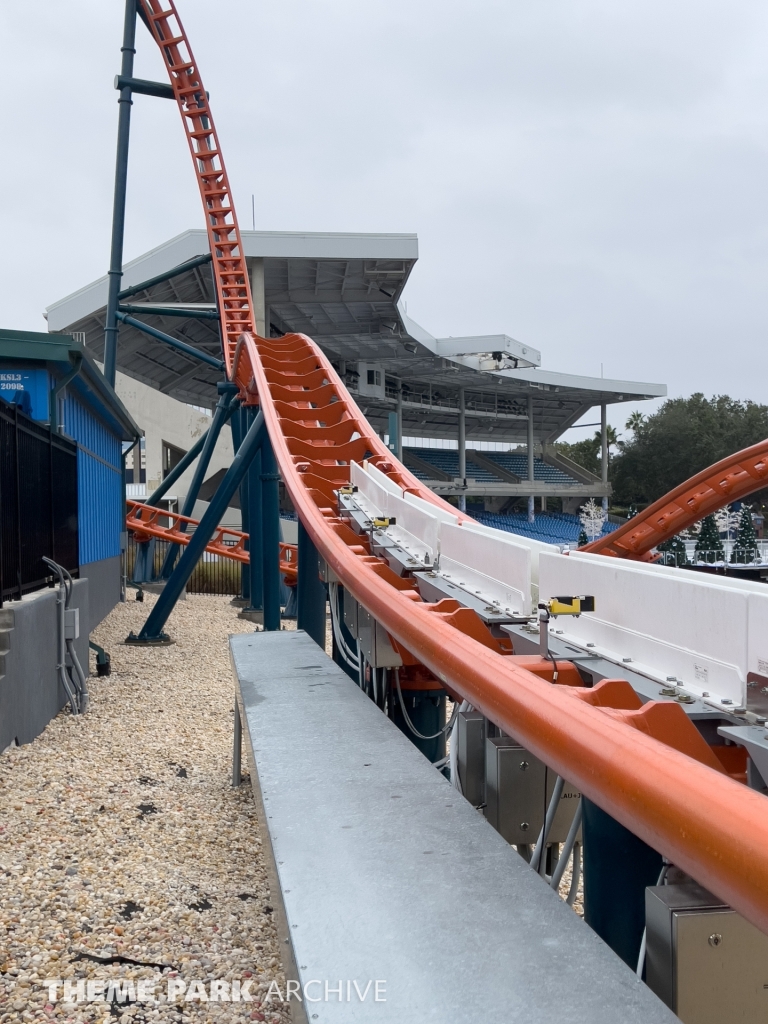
pixel 728 480
pixel 147 521
pixel 638 764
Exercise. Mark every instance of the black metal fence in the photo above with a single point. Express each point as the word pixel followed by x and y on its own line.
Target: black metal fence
pixel 212 574
pixel 38 503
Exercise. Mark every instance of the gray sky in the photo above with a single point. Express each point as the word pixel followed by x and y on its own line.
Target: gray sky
pixel 588 177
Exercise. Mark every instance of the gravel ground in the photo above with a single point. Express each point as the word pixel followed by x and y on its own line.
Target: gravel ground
pixel 120 836
pixel 121 839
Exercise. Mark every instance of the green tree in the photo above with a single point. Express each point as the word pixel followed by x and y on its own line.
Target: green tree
pixel 585 453
pixel 635 421
pixel 745 548
pixel 583 538
pixel 673 551
pixel 588 453
pixel 683 437
pixel 709 547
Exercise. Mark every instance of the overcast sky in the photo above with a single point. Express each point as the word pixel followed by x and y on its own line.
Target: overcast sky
pixel 589 177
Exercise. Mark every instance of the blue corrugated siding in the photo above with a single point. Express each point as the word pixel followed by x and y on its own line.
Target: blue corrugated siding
pixel 100 482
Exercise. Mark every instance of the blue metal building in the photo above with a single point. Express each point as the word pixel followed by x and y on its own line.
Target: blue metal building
pixel 54 380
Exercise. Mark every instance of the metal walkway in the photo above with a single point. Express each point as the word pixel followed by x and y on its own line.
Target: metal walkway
pixel 387 874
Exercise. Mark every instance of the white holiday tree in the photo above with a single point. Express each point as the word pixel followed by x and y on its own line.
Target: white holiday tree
pixel 592 518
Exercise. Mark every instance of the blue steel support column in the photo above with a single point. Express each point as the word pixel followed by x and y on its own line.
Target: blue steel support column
pixel 311 590
pixel 238 433
pixel 617 868
pixel 245 512
pixel 270 532
pixel 121 182
pixel 152 631
pixel 255 534
pixel 226 391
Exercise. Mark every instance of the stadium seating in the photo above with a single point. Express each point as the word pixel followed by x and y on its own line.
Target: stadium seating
pixel 446 460
pixel 550 527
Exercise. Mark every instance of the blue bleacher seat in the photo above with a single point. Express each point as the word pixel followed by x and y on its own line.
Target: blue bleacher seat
pixel 549 527
pixel 446 460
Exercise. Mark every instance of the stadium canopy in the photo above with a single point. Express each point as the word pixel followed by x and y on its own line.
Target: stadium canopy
pixel 343 290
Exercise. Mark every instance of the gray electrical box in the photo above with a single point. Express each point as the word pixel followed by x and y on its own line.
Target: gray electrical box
pixel 350 614
pixel 515 783
pixel 705 961
pixel 518 787
pixel 470 739
pixel 374 641
pixel 72 624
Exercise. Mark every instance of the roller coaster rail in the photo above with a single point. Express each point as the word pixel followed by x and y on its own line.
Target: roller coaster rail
pixel 646 766
pixel 146 521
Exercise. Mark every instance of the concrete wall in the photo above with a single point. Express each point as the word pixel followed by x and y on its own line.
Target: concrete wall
pixel 103 589
pixel 164 419
pixel 30 691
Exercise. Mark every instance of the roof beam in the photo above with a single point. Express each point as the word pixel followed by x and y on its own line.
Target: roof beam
pixel 182 268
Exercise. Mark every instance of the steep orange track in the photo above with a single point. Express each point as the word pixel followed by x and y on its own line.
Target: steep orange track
pixel 668 790
pixel 729 480
pixel 229 268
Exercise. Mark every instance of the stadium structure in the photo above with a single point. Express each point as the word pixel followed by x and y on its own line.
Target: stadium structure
pixel 477 393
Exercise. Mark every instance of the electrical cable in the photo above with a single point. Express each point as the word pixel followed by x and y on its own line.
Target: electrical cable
pixel 453 754
pixel 349 656
pixel 409 723
pixel 644 942
pixel 575 875
pixel 568 846
pixel 538 860
pixel 61 668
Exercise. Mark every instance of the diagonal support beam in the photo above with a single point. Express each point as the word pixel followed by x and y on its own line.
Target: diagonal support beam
pixel 220 417
pixel 182 268
pixel 187 312
pixel 181 346
pixel 152 630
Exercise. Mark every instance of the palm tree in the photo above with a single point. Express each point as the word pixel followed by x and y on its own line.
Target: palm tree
pixel 611 437
pixel 636 420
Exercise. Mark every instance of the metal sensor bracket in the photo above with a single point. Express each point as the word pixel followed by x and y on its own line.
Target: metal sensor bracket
pixel 570 605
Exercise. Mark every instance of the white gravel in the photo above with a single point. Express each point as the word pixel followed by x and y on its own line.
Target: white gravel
pixel 120 835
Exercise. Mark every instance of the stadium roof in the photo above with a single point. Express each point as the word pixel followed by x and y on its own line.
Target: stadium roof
pixel 344 290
